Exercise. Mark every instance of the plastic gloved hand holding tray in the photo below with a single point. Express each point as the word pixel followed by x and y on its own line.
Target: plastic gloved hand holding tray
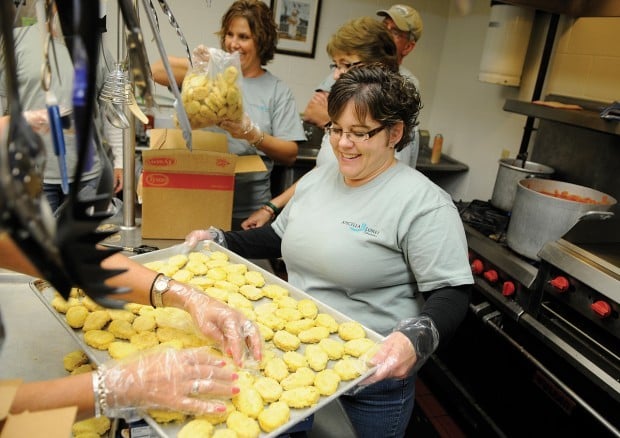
pixel 273 297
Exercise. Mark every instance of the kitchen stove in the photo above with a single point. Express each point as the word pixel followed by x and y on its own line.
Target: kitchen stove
pixel 542 338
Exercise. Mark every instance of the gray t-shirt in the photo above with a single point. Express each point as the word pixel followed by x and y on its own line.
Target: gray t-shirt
pixel 368 251
pixel 29 59
pixel 269 102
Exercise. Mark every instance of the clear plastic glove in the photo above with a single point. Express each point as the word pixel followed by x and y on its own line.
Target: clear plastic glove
pixel 397 356
pixel 189 381
pixel 214 234
pixel 244 129
pixel 257 219
pixel 38 120
pixel 200 54
pixel 229 328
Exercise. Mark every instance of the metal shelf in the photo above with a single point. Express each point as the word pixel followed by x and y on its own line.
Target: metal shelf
pixel 586 118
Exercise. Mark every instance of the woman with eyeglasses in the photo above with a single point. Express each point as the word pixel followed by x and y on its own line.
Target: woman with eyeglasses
pixel 374 239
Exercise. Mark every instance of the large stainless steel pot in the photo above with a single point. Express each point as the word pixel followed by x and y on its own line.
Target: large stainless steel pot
pixel 538 218
pixel 509 173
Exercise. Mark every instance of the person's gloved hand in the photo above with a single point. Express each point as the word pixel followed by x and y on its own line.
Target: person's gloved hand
pixel 188 380
pixel 244 129
pixel 229 328
pixel 38 120
pixel 200 54
pixel 192 239
pixel 405 350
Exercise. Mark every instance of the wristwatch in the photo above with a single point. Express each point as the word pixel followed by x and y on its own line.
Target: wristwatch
pixel 161 285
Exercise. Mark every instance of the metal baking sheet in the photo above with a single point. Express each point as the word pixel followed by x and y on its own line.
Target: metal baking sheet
pixel 46 293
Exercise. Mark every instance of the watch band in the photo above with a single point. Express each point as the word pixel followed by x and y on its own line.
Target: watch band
pixel 160 286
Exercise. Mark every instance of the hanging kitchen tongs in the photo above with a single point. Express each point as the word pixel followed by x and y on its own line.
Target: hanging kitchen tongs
pixel 24 213
pixel 44 14
pixel 182 118
pixel 79 218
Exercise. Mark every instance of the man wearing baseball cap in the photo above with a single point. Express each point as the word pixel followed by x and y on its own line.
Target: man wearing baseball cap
pixel 406 27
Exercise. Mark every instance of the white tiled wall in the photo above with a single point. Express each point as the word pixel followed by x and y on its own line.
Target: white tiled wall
pixel 587 60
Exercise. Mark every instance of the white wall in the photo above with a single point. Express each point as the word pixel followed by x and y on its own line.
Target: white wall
pixel 446 60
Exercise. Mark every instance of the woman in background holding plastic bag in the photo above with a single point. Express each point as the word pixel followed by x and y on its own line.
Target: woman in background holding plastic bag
pixel 269 125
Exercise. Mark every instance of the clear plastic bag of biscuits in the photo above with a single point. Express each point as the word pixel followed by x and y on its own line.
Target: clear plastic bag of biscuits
pixel 211 89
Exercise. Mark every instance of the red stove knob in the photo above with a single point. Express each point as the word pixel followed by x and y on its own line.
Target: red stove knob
pixel 491 276
pixel 601 308
pixel 477 267
pixel 508 289
pixel 561 284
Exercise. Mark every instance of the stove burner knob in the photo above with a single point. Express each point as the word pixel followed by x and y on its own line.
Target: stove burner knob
pixel 508 289
pixel 560 283
pixel 601 308
pixel 477 267
pixel 491 276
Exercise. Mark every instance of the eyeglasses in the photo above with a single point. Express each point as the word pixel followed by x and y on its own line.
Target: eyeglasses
pixel 397 33
pixel 344 66
pixel 353 136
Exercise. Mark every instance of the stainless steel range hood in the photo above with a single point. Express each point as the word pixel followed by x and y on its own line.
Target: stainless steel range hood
pixel 573 8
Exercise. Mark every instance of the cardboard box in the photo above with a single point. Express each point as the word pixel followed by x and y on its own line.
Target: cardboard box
pixel 52 423
pixel 185 190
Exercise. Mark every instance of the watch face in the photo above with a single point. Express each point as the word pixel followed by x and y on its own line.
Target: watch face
pixel 161 284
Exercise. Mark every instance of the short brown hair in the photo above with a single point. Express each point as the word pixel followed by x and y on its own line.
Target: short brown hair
pixel 367 38
pixel 261 22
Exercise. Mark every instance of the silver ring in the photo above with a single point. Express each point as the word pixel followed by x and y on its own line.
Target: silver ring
pixel 247 327
pixel 195 387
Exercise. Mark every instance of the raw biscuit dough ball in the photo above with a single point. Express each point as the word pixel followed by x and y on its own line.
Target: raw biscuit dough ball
pixel 216 418
pixel 294 360
pixel 286 302
pixel 99 425
pixel 265 332
pixel 299 398
pixel 316 357
pixel 217 264
pixel 268 388
pixel 351 330
pixel 197 256
pixel 76 316
pixel 144 323
pixel 195 428
pixel 276 368
pixel 121 329
pixel 326 320
pixel 178 260
pixel 244 426
pixel 349 369
pixel 60 304
pixel 96 320
pixel 236 278
pixel 120 349
pixel 217 293
pixel 286 341
pixel 99 339
pixel 308 308
pixel 238 301
pixel 274 416
pixel 219 255
pixel 236 268
pixel 255 278
pixel 251 292
pixel 226 285
pixel 196 267
pixel 266 308
pixel 296 327
pixel 183 275
pixel 135 308
pixel 144 340
pixel 274 291
pixel 217 274
pixel 333 348
pixel 271 321
pixel 163 416
pixel 202 282
pixel 154 265
pixel 313 335
pixel 288 314
pixel 357 347
pixel 327 382
pixel 74 359
pixel 91 304
pixel 123 314
pixel 304 376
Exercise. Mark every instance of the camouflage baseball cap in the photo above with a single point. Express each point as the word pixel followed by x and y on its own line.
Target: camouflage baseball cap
pixel 406 19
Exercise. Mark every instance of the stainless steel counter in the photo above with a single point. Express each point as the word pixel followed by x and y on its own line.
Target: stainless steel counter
pixel 35 342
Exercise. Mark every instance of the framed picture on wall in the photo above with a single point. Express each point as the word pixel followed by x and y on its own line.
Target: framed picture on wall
pixel 298 23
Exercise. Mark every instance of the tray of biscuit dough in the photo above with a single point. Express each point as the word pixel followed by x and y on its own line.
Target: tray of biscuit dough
pixel 312 353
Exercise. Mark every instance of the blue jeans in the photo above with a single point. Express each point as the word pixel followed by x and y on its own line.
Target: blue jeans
pixel 381 410
pixel 55 196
